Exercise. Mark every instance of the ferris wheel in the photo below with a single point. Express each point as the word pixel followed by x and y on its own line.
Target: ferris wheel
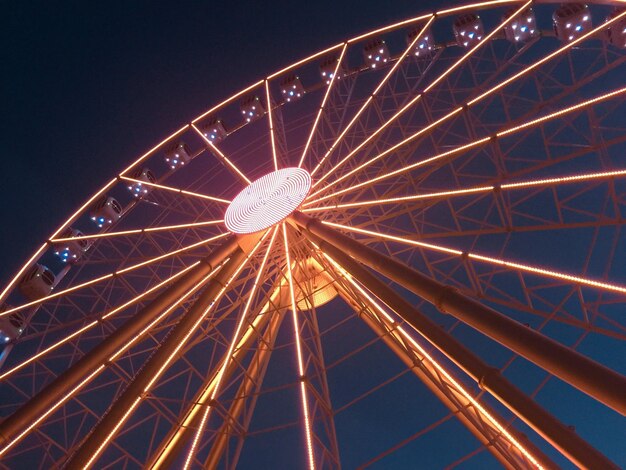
pixel 405 250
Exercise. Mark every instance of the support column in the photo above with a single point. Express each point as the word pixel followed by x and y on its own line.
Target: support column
pixel 16 426
pixel 251 380
pixel 590 377
pixel 178 437
pixel 125 404
pixel 489 378
pixel 476 420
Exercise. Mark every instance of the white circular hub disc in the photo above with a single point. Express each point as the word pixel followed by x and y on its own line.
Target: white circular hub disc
pixel 268 200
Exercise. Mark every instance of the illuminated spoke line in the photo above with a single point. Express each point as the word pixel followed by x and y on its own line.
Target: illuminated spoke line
pixel 204 395
pixel 101 367
pixel 229 354
pixel 112 275
pixel 138 231
pixel 461 148
pixel 93 323
pixel 54 407
pixel 429 360
pixel 323 105
pixel 305 407
pixel 455 111
pixel 374 94
pixel 271 123
pixel 171 357
pixel 488 259
pixel 176 190
pixel 478 189
pixel 221 155
pixel 420 95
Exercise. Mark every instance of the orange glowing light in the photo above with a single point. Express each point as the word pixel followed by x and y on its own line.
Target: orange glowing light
pixel 474 6
pixel 303 395
pixel 478 189
pixel 271 123
pixel 322 106
pixel 392 325
pixel 439 78
pixel 195 407
pixel 461 148
pixel 374 93
pixel 94 323
pixel 174 353
pixel 493 89
pixel 498 261
pixel 177 190
pixel 139 231
pixel 47 413
pixel 111 275
pixel 221 155
pixel 389 28
pixel 231 347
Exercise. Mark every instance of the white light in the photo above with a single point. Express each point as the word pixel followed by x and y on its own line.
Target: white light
pixel 268 200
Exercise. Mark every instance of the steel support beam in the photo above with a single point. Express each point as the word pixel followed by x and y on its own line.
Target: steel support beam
pixel 564 439
pixel 485 432
pixel 179 436
pixel 590 377
pixel 252 376
pixel 123 406
pixel 16 425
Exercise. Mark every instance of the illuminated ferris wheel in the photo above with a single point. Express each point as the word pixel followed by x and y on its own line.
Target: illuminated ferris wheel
pixel 405 250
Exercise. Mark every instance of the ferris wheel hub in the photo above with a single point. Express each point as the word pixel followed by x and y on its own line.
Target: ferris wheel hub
pixel 268 200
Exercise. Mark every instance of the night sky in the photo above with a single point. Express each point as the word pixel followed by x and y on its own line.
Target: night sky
pixel 87 87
